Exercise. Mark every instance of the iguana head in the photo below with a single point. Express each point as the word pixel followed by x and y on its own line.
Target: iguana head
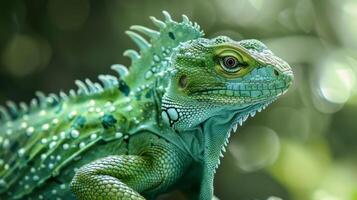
pixel 222 77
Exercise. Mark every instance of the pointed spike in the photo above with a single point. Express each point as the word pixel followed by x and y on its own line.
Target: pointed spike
pixel 12 106
pixel 4 114
pixel 224 149
pixel 63 95
pixel 245 117
pixel 54 97
pixel 185 19
pixel 158 23
pixel 41 97
pixel 90 85
pixel 34 104
pixel 235 127
pixel 114 81
pixel 167 16
pixel 147 31
pixel 24 107
pixel 108 81
pixel 82 87
pixel 240 121
pixel 98 87
pixel 252 114
pixel 132 54
pixel 140 41
pixel 227 140
pixel 120 69
pixel 72 93
pixel 105 81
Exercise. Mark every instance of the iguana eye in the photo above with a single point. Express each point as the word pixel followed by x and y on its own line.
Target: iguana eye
pixel 230 64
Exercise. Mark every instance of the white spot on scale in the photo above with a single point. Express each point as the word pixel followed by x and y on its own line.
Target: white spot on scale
pixel 82 145
pixel 63 186
pixel 42 112
pixel 93 136
pixel 75 133
pixel 6 143
pixel 30 130
pixel 55 121
pixel 118 134
pixel 63 135
pixel 45 127
pixel 91 102
pixel 35 178
pixel 23 125
pixel 21 152
pixel 112 109
pixel 51 166
pixel 54 191
pixel 8 131
pixel 44 140
pixel 72 114
pixel 52 144
pixel 2 182
pixel 43 156
pixel 65 146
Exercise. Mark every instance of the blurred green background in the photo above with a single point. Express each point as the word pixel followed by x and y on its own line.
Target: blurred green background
pixel 303 147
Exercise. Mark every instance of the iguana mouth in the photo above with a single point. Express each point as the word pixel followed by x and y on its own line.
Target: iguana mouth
pixel 244 89
pixel 253 93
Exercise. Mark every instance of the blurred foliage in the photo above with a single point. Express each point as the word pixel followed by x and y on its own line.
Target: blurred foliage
pixel 303 147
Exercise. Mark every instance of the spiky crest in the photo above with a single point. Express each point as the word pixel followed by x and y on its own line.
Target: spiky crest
pixel 145 64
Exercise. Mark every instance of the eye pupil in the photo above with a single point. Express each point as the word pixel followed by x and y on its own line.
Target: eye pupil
pixel 230 62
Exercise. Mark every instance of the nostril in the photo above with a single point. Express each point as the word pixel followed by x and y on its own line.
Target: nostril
pixel 276 72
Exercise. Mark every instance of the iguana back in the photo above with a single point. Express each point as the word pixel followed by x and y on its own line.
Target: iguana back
pixel 44 142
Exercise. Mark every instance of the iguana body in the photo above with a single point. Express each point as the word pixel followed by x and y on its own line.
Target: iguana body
pixel 162 125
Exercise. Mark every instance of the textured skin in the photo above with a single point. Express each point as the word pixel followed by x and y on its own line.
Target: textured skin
pixel 163 125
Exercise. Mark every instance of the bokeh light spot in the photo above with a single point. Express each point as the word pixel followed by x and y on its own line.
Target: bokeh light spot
pixel 345 22
pixel 256 148
pixel 24 54
pixel 337 81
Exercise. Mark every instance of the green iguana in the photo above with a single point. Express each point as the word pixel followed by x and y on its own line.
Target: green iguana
pixel 160 125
